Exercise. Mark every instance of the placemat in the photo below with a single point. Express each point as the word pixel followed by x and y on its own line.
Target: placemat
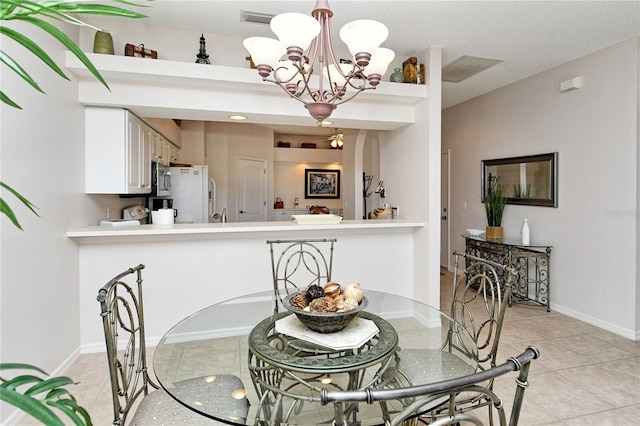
pixel 358 332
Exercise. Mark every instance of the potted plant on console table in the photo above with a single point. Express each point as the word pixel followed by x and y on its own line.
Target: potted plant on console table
pixel 494 204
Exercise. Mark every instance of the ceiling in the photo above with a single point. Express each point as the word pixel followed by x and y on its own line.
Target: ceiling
pixel 529 36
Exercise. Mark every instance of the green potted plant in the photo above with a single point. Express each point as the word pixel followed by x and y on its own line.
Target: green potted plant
pixel 30 393
pixel 494 203
pixel 39 396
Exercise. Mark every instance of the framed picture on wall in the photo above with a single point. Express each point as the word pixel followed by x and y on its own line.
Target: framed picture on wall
pixel 321 183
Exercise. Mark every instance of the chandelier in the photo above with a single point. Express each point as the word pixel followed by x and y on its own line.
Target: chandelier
pixel 311 72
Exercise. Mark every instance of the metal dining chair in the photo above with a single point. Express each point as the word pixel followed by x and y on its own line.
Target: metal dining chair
pixel 424 395
pixel 482 289
pixel 122 312
pixel 297 264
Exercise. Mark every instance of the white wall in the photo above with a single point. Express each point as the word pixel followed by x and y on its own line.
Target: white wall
pixel 184 274
pixel 42 158
pixel 595 131
pixel 410 165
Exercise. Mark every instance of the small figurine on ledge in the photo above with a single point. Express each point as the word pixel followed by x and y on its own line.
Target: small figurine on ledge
pixel 203 58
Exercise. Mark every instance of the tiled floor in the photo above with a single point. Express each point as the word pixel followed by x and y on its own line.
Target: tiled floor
pixel 585 376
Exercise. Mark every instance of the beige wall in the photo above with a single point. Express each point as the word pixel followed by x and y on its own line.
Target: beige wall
pixel 594 230
pixel 42 158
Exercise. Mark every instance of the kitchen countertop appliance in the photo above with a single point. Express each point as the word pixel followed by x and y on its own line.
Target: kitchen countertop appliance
pixel 138 213
pixel 193 194
pixel 160 180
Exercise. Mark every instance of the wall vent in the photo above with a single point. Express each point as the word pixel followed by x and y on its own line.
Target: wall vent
pixel 257 17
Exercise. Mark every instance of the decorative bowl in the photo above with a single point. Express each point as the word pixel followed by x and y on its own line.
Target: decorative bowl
pixel 324 322
pixel 475 232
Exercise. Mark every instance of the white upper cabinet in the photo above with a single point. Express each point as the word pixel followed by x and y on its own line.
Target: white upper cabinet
pixel 118 152
pixel 162 151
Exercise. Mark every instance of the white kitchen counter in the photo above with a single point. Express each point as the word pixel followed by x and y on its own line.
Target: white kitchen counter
pixel 234 227
pixel 191 266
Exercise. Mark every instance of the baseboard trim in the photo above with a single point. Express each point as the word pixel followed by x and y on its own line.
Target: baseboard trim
pixel 621 331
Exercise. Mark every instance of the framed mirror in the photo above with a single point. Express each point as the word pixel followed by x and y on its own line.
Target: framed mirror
pixel 529 180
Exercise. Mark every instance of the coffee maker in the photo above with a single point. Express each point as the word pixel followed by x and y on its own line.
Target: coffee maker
pixel 157 203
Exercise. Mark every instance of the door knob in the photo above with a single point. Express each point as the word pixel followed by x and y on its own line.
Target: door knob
pixel 242 211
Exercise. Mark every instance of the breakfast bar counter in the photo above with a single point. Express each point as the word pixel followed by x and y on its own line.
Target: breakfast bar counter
pixel 236 227
pixel 190 266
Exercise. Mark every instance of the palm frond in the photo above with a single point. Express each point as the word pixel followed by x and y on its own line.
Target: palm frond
pixel 69 44
pixel 22 199
pixel 13 65
pixel 62 10
pixel 33 48
pixel 7 100
pixel 41 395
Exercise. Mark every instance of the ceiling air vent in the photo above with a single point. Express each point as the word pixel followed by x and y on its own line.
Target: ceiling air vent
pixel 465 67
pixel 260 18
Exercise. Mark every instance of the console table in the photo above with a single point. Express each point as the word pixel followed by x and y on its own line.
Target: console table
pixel 531 261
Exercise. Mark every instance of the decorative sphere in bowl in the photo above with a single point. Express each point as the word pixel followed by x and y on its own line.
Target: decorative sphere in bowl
pixel 324 322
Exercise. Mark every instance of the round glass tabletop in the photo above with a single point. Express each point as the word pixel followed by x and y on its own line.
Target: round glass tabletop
pixel 232 362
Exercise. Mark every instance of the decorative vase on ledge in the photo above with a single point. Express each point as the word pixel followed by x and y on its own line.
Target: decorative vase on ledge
pixel 494 233
pixel 397 76
pixel 103 43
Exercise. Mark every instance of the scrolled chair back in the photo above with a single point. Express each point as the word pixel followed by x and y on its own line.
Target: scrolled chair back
pixel 297 264
pixel 123 322
pixel 424 395
pixel 482 289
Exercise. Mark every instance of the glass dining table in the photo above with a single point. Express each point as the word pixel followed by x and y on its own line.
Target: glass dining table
pixel 243 362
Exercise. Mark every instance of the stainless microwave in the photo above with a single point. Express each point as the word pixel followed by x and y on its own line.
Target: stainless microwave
pixel 160 180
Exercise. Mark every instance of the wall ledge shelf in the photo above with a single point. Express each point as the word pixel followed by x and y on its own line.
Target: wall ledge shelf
pixel 298 155
pixel 172 89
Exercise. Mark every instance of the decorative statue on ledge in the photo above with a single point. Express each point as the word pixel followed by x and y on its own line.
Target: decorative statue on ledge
pixel 203 58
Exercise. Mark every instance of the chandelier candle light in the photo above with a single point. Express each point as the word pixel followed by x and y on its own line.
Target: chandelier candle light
pixel 307 43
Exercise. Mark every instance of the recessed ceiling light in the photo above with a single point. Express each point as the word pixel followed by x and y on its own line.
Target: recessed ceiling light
pixel 238 117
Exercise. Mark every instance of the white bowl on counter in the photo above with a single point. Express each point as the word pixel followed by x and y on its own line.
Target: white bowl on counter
pixel 316 219
pixel 475 232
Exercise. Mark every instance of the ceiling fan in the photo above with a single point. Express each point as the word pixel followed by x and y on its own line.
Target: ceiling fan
pixel 337 139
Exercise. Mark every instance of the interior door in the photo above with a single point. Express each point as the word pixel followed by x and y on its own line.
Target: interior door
pixel 252 190
pixel 445 249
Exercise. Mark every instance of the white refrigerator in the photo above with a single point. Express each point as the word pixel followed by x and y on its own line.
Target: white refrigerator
pixel 191 194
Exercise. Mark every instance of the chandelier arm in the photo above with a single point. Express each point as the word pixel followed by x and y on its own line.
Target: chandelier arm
pixel 282 85
pixel 323 46
pixel 310 59
pixel 355 68
pixel 291 95
pixel 353 95
pixel 315 95
pixel 277 79
pixel 362 86
pixel 336 61
pixel 349 77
